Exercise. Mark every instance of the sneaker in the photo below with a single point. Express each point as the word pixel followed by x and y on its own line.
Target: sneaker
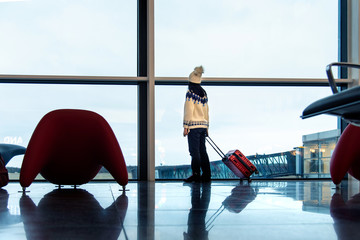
pixel 205 178
pixel 194 178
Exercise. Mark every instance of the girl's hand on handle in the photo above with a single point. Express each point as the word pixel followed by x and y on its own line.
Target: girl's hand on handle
pixel 186 132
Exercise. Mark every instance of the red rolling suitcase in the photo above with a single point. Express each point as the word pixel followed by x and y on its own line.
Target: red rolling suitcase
pixel 236 161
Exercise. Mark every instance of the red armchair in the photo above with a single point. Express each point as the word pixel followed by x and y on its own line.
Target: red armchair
pixel 69 147
pixel 346 155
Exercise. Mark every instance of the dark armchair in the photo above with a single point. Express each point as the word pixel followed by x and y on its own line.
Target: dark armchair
pixel 344 104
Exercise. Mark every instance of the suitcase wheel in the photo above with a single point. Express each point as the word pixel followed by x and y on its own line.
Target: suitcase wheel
pixel 248 179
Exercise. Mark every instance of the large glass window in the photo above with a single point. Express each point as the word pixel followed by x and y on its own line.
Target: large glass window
pixel 317 151
pixel 241 38
pixel 65 37
pixel 22 107
pixel 263 122
pixel 237 38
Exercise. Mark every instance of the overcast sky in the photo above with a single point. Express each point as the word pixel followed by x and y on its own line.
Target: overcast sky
pixel 231 38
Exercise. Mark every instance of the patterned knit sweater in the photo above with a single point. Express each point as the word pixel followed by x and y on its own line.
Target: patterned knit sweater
pixel 196 111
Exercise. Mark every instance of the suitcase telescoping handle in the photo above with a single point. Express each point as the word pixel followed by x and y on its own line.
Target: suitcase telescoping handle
pixel 215 147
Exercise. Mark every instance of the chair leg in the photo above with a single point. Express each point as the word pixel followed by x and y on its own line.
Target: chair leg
pixel 123 189
pixel 23 191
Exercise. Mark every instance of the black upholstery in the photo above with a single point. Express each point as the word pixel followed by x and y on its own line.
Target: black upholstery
pixel 345 103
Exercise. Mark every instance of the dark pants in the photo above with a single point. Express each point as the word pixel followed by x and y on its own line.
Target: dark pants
pixel 197 149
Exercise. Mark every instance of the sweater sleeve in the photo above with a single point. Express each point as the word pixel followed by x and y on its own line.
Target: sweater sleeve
pixel 207 115
pixel 188 111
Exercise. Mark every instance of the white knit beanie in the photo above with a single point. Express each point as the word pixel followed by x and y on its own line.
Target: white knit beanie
pixel 195 76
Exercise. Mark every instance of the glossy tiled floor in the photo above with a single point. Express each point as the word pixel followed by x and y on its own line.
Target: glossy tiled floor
pixel 171 210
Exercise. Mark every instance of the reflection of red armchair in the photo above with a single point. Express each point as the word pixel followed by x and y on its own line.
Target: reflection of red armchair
pixel 68 147
pixel 72 214
pixel 346 216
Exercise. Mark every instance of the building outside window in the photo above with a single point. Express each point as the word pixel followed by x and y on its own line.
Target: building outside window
pixel 318 148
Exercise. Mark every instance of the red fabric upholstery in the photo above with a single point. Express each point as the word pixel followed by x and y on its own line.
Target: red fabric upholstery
pixel 69 147
pixel 346 155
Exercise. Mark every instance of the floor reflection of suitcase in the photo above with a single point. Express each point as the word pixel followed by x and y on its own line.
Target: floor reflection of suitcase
pixel 240 197
pixel 235 161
